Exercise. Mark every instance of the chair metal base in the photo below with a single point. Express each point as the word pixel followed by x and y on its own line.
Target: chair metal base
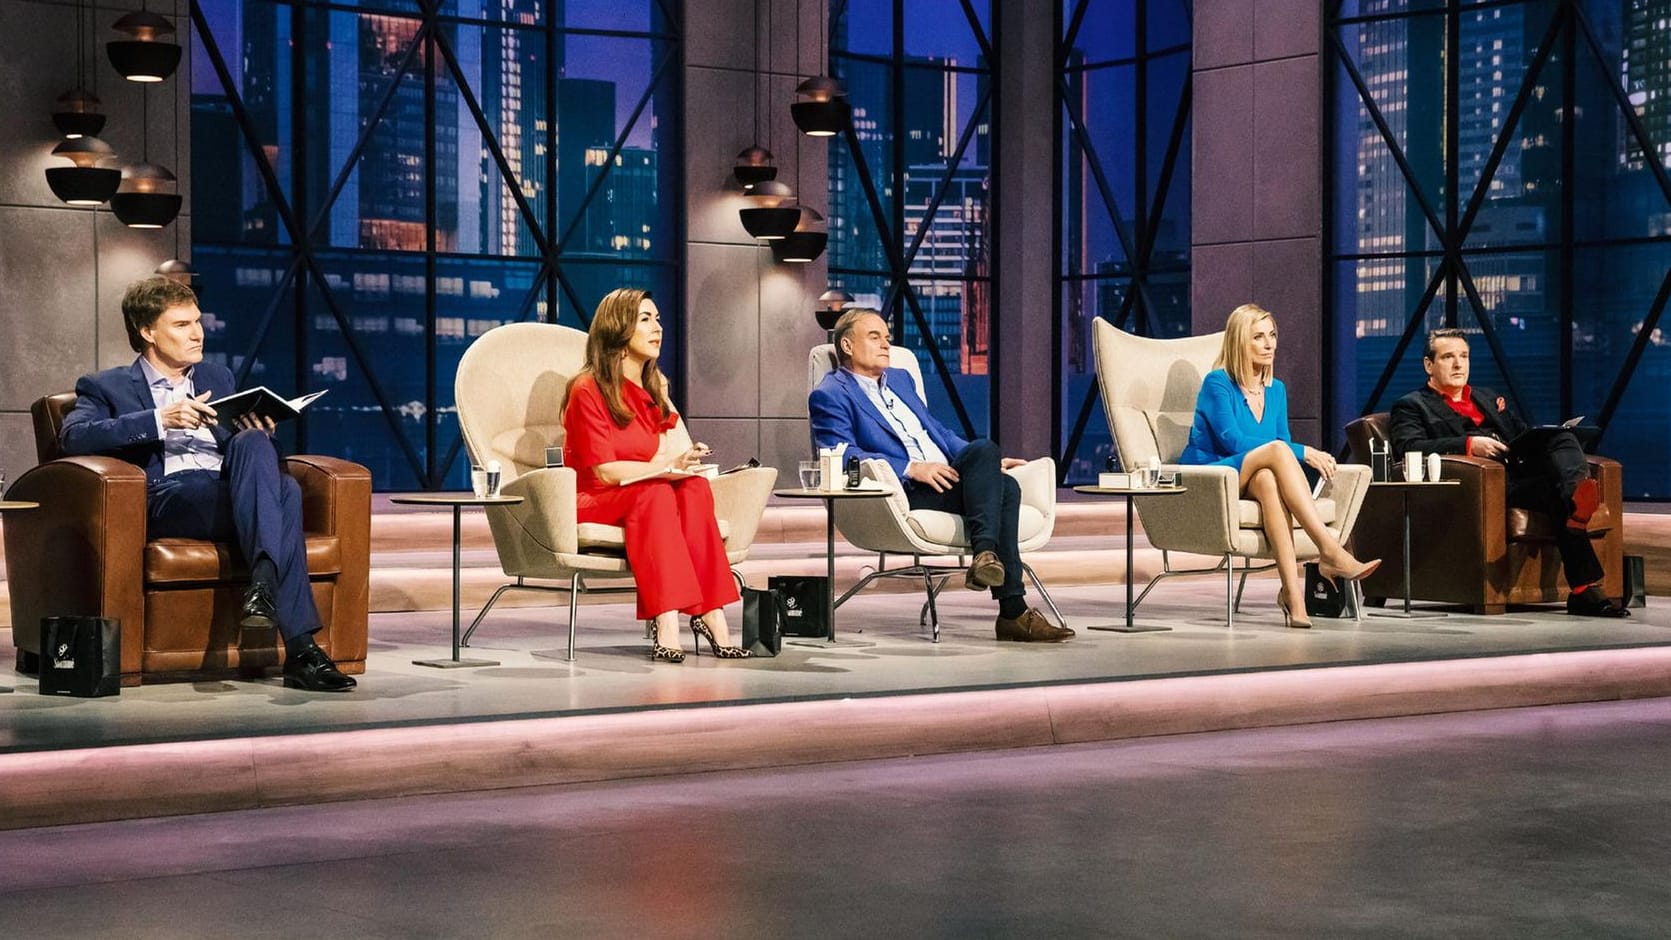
pixel 934 579
pixel 1234 587
pixel 576 586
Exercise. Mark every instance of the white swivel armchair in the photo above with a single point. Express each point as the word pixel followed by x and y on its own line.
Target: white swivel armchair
pixel 1149 387
pixel 890 526
pixel 510 392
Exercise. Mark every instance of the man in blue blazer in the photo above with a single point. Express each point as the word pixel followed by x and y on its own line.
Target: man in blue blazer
pixel 875 411
pixel 202 480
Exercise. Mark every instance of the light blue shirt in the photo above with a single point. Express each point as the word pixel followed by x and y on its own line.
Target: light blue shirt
pixel 182 449
pixel 901 420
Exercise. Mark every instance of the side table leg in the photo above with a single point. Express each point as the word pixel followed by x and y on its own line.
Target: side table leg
pixel 1406 553
pixel 1129 626
pixel 829 569
pixel 458 566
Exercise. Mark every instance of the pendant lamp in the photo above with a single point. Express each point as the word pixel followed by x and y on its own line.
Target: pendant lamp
pixel 89 182
pixel 149 56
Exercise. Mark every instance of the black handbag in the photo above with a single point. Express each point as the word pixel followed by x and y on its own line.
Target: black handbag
pixel 763 616
pixel 805 599
pixel 81 656
pixel 1323 596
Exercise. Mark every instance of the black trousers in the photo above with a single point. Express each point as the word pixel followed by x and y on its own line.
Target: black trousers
pixel 989 500
pixel 252 502
pixel 1545 483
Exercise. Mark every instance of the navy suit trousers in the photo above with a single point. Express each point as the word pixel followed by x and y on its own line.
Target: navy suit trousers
pixel 253 503
pixel 989 500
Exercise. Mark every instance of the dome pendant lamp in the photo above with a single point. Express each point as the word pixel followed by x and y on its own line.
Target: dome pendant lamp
pixel 76 112
pixel 806 242
pixel 825 110
pixel 773 213
pixel 754 166
pixel 148 196
pixel 89 182
pixel 149 56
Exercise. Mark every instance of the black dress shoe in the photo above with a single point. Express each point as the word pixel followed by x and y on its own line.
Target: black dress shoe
pixel 259 611
pixel 1593 603
pixel 312 670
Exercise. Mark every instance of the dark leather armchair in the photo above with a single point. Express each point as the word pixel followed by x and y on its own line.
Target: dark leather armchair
pixel 1467 545
pixel 179 600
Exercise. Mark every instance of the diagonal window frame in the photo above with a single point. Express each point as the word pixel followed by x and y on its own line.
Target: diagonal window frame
pixel 430 58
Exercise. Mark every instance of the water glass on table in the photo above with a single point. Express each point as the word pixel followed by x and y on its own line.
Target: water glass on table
pixel 812 475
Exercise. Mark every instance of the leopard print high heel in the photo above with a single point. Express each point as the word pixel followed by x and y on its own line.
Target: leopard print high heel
pixel 659 653
pixel 699 628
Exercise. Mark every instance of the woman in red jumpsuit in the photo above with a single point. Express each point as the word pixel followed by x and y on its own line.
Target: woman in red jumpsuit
pixel 618 425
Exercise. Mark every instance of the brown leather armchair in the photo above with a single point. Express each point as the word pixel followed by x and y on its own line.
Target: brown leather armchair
pixel 1467 545
pixel 84 552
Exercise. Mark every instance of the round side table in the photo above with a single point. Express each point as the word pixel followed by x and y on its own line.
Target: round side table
pixel 457 501
pixel 1128 492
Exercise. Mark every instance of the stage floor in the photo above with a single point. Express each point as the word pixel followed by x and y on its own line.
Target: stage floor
pixel 883 653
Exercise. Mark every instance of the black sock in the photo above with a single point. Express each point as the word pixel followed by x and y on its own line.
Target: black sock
pixel 299 643
pixel 1011 608
pixel 264 572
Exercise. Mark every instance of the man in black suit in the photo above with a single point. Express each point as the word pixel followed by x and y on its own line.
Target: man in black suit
pixel 203 481
pixel 1448 416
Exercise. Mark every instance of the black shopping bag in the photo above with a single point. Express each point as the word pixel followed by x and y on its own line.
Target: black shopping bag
pixel 806 600
pixel 1323 596
pixel 81 656
pixel 763 616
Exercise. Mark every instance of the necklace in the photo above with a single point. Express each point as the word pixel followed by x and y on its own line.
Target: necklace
pixel 1256 392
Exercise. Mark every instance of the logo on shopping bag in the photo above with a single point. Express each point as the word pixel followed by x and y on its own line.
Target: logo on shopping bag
pixel 63 658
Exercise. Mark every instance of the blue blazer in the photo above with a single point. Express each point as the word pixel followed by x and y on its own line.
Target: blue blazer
pixel 840 412
pixel 115 415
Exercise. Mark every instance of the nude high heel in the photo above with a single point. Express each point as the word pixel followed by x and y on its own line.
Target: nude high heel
pixel 1363 570
pixel 1288 618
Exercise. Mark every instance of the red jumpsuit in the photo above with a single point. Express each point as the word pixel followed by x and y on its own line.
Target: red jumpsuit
pixel 673 542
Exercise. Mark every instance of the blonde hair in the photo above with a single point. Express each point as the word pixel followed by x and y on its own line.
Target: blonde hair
pixel 1233 356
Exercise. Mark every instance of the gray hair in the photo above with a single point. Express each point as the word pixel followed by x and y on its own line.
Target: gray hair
pixel 843 326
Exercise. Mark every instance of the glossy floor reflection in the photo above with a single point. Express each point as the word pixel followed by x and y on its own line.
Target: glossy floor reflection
pixel 888 653
pixel 1545 822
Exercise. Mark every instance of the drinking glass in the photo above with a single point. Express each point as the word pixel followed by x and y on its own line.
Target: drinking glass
pixel 812 475
pixel 478 482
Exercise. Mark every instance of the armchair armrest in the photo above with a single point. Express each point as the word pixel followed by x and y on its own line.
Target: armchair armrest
pixel 1038 484
pixel 740 499
pixel 548 517
pixel 82 551
pixel 336 495
pixel 1482 504
pixel 1203 520
pixel 1348 489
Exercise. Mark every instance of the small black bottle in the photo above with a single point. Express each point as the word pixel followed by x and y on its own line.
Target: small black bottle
pixel 852 468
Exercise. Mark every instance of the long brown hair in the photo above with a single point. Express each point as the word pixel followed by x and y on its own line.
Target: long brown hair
pixel 613 324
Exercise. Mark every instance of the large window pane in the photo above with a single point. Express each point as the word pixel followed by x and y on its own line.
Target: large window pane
pixel 434 202
pixel 1124 191
pixel 928 197
pixel 1567 247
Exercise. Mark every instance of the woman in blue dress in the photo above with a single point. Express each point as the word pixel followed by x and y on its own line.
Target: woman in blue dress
pixel 1241 421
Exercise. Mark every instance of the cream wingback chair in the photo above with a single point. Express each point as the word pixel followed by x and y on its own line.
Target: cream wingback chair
pixel 891 527
pixel 1149 387
pixel 510 393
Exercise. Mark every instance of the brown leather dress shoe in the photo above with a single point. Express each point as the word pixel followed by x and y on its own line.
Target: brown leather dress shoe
pixel 1031 627
pixel 986 571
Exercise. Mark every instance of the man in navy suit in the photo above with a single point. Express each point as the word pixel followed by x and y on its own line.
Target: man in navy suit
pixel 203 481
pixel 875 411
